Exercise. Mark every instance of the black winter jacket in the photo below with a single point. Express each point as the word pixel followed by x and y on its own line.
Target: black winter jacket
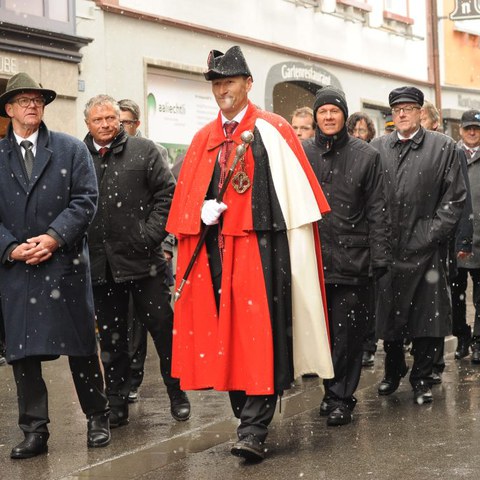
pixel 355 235
pixel 136 189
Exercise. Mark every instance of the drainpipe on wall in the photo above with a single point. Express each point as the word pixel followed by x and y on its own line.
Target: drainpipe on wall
pixel 433 52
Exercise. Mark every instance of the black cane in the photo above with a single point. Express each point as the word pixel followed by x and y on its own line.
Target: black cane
pixel 247 138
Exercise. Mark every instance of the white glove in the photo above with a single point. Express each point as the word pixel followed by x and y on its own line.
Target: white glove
pixel 211 211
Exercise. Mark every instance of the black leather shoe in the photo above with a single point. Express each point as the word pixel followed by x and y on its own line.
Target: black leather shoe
pixel 342 415
pixel 463 348
pixel 435 378
pixel 118 417
pixel 475 358
pixel 422 394
pixel 390 384
pixel 179 405
pixel 326 407
pixel 250 448
pixel 368 359
pixel 133 395
pixel 33 445
pixel 98 430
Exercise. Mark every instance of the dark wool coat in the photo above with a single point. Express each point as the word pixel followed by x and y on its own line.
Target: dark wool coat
pixel 355 235
pixel 426 195
pixel 136 189
pixel 473 167
pixel 48 308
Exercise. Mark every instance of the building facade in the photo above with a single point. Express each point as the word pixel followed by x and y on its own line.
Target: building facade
pixel 155 53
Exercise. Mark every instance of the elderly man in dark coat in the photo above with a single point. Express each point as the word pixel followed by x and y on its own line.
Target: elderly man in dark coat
pixel 426 194
pixel 48 196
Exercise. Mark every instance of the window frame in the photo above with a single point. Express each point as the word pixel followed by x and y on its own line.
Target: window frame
pixel 42 23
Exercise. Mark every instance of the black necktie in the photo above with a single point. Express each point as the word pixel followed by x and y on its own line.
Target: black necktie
pixel 29 157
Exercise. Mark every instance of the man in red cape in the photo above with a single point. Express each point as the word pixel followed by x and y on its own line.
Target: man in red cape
pixel 252 314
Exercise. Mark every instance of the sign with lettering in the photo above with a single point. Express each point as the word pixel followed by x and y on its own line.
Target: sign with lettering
pixel 8 65
pixel 466 10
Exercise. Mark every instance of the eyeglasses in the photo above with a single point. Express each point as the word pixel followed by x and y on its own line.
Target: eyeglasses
pixel 333 112
pixel 129 123
pixel 25 102
pixel 406 110
pixel 361 131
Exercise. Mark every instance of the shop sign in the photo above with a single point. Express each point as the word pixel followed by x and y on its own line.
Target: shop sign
pixel 8 65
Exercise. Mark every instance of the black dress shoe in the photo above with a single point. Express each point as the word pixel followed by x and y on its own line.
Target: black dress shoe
pixel 342 415
pixel 475 358
pixel 390 383
pixel 133 395
pixel 463 348
pixel 250 448
pixel 327 406
pixel 33 445
pixel 118 417
pixel 422 394
pixel 179 405
pixel 98 430
pixel 435 378
pixel 368 359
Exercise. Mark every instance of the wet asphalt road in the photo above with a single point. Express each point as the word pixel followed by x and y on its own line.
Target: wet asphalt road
pixel 390 438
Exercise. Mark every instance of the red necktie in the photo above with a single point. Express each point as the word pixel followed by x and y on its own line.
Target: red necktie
pixel 224 154
pixel 102 151
pixel 226 150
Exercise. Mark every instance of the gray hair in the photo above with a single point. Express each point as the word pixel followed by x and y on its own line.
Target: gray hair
pixel 127 105
pixel 101 100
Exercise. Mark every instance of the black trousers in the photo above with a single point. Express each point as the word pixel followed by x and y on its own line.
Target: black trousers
pixel 460 328
pixel 137 345
pixel 151 301
pixel 254 411
pixel 424 350
pixel 33 396
pixel 348 321
pixel 370 340
pixel 2 334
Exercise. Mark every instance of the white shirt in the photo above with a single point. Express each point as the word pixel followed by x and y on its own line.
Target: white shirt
pixel 32 138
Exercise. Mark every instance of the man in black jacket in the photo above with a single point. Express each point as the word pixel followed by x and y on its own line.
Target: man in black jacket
pixel 135 188
pixel 426 195
pixel 354 236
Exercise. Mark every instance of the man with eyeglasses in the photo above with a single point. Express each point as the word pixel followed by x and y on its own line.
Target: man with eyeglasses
pixel 48 197
pixel 127 260
pixel 130 120
pixel 303 123
pixel 426 195
pixel 354 238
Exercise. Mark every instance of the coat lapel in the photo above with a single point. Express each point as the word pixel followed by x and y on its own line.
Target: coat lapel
pixel 15 161
pixel 42 158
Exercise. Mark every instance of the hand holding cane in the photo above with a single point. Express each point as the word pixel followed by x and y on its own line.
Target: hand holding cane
pixel 247 138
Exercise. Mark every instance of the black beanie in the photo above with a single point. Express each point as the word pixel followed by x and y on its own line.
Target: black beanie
pixel 330 95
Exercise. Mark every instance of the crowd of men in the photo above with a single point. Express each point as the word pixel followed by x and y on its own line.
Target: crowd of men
pixel 307 244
